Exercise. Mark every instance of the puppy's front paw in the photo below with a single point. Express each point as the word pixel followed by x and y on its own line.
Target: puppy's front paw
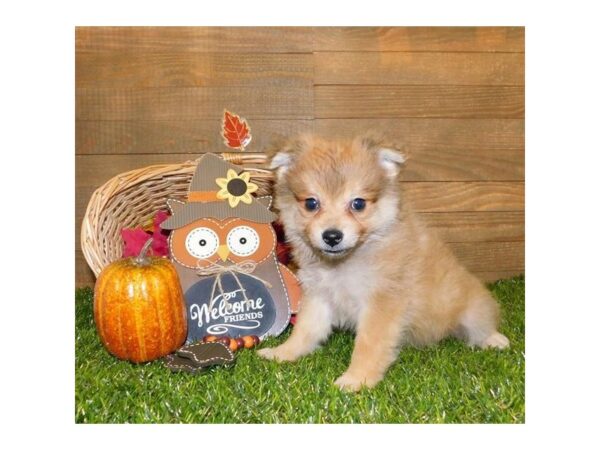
pixel 352 383
pixel 276 353
pixel 496 340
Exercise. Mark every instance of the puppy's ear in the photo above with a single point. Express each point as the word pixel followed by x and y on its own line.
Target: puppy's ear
pixel 390 157
pixel 283 152
pixel 391 160
pixel 281 162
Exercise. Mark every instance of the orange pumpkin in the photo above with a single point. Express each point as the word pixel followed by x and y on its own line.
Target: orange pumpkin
pixel 139 308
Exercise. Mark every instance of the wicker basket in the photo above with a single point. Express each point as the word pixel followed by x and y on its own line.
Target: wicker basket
pixel 132 198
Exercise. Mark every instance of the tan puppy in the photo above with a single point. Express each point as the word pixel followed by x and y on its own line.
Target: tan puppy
pixel 367 263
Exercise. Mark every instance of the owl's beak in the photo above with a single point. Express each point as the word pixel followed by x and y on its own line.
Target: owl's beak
pixel 223 252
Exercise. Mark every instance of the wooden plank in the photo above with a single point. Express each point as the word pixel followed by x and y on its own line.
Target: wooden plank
pixel 95 170
pixel 490 256
pixel 174 136
pixel 194 39
pixel 170 103
pixel 477 226
pixel 300 39
pixel 445 149
pixel 189 136
pixel 458 165
pixel 134 69
pixel 420 68
pixel 423 165
pixel 470 135
pixel 423 39
pixel 83 273
pixel 84 277
pixel 419 101
pixel 465 196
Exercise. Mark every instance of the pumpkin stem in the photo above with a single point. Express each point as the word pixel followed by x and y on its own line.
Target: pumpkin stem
pixel 141 258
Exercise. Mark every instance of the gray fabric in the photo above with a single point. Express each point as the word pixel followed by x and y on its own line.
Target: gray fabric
pixel 188 212
pixel 209 168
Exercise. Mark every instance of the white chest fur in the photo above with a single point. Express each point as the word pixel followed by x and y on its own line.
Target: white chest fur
pixel 345 288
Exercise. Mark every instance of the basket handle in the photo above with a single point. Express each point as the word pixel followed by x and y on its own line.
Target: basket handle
pixel 245 158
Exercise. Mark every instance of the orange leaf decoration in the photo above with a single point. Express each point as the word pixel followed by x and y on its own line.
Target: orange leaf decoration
pixel 235 131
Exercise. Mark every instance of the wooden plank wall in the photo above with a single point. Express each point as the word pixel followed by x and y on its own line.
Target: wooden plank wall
pixel 454 96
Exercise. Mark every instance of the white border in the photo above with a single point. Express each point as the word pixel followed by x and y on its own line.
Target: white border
pixel 562 218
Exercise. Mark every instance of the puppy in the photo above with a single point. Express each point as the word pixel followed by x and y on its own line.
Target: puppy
pixel 367 263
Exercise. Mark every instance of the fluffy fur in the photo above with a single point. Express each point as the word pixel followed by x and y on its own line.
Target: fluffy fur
pixel 390 279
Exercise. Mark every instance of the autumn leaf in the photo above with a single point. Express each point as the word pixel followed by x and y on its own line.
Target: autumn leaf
pixel 235 131
pixel 133 241
pixel 135 238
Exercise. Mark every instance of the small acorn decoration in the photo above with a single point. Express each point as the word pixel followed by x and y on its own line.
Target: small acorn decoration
pixel 234 344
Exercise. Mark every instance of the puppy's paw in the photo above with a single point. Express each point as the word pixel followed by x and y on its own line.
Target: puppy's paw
pixel 352 383
pixel 276 353
pixel 496 340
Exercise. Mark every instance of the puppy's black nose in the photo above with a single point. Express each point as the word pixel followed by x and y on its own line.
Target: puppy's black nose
pixel 332 237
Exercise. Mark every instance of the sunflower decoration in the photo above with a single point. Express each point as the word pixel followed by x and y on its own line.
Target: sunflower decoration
pixel 236 188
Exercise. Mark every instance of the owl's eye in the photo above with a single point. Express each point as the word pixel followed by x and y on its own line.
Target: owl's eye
pixel 202 242
pixel 243 241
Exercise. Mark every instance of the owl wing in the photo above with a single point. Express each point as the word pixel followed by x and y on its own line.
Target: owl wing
pixel 293 287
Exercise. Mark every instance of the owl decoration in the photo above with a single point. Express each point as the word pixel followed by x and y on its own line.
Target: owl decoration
pixel 223 247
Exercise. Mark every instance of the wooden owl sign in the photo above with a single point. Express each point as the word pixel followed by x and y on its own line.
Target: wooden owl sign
pixel 223 246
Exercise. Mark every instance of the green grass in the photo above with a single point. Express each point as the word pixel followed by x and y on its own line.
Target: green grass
pixel 449 383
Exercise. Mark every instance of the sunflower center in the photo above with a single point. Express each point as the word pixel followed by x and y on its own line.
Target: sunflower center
pixel 237 187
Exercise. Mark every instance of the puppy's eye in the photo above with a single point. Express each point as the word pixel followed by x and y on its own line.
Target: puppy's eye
pixel 358 204
pixel 311 204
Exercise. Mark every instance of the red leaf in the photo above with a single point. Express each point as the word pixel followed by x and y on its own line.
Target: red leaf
pixel 160 245
pixel 134 239
pixel 160 216
pixel 235 131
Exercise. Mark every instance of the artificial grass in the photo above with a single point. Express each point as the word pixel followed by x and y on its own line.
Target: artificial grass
pixel 448 383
